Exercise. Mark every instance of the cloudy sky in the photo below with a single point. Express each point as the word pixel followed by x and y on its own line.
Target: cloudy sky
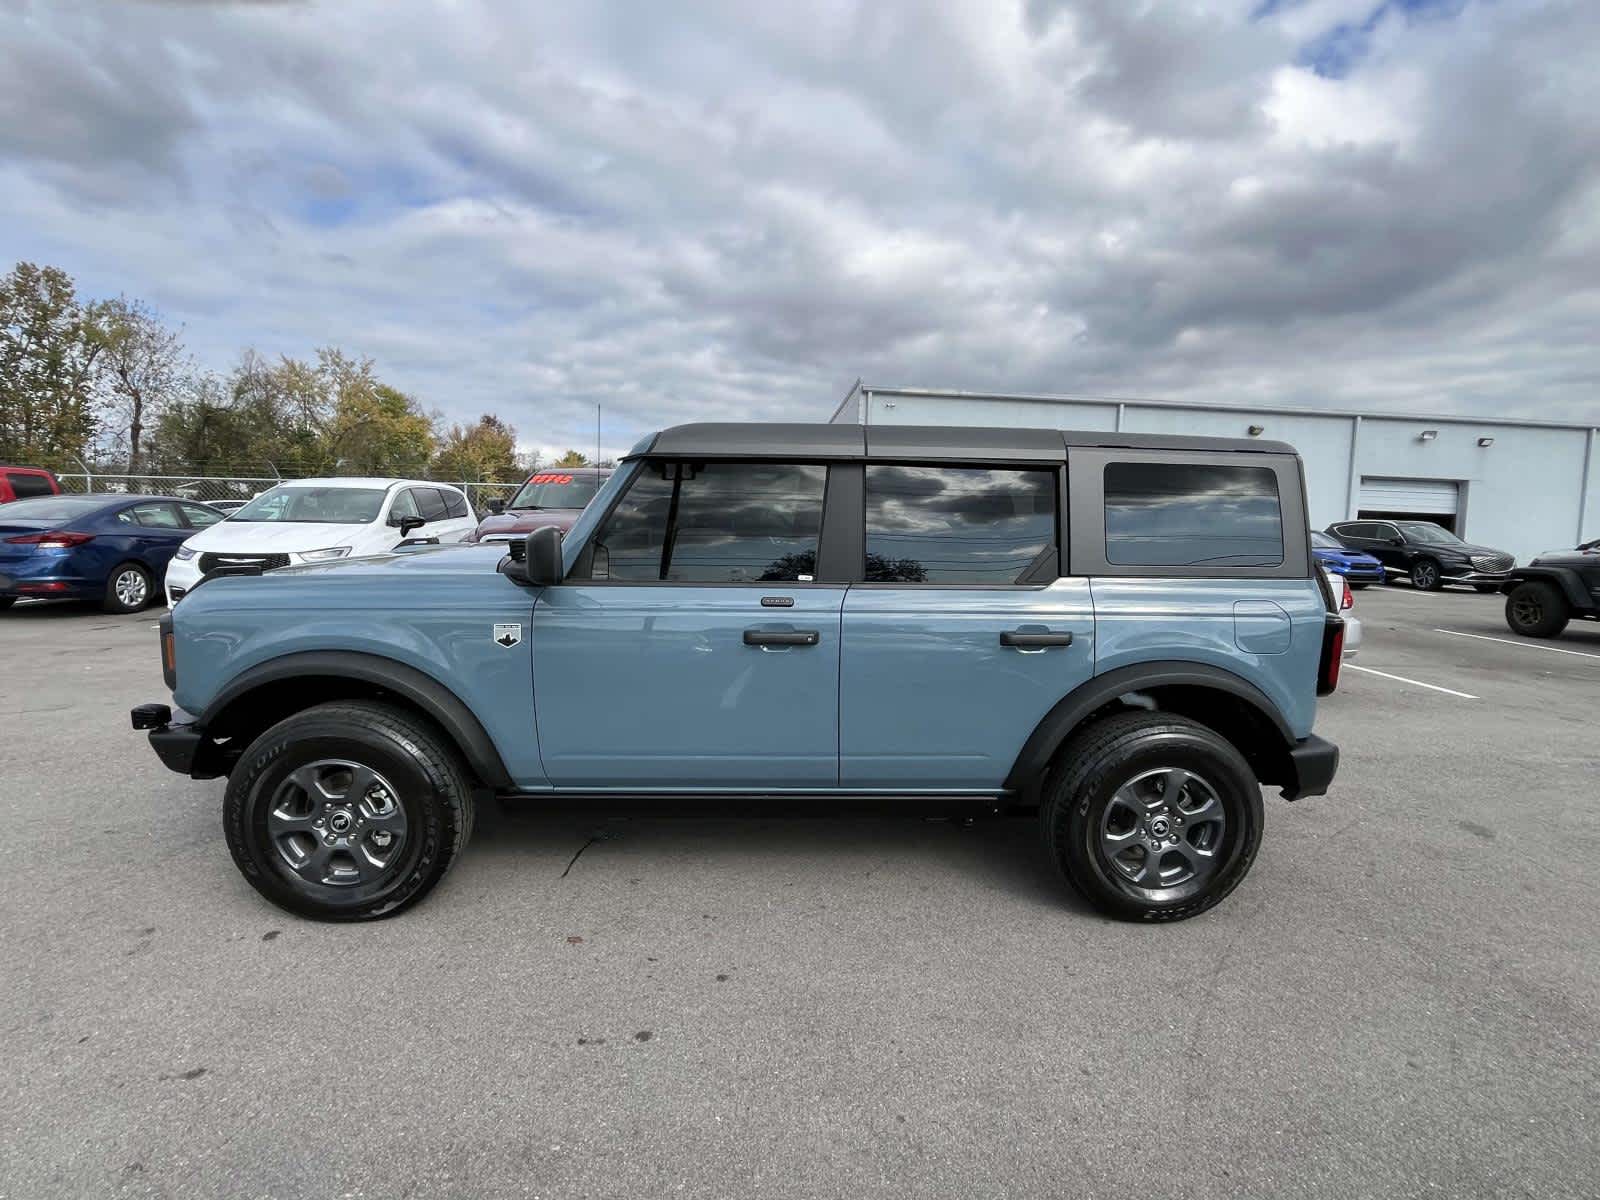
pixel 732 210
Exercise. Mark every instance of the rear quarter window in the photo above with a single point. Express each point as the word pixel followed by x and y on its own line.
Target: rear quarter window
pixel 25 484
pixel 1192 514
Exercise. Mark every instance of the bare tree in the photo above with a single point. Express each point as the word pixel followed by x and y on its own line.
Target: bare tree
pixel 141 368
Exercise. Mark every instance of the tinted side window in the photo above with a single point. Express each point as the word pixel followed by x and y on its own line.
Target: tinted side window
pixel 404 506
pixel 455 504
pixel 23 485
pixel 1191 514
pixel 157 516
pixel 199 516
pixel 629 545
pixel 429 503
pixel 957 524
pixel 715 523
pixel 746 522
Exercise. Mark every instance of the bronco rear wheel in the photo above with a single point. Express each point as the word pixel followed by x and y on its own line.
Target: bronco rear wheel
pixel 347 812
pixel 1153 817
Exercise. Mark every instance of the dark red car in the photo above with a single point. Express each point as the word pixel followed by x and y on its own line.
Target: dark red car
pixel 554 496
pixel 24 483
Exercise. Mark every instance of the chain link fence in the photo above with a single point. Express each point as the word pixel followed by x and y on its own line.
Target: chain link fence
pixel 240 487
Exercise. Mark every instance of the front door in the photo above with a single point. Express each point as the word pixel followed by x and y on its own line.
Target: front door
pixel 962 637
pixel 691 648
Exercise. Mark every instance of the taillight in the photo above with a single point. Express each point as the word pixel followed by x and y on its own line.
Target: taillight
pixel 55 540
pixel 1332 655
pixel 1349 600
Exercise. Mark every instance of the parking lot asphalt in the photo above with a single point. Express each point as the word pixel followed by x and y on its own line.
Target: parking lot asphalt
pixel 1401 1000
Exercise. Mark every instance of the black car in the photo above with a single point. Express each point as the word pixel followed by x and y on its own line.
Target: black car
pixel 1427 554
pixel 1554 588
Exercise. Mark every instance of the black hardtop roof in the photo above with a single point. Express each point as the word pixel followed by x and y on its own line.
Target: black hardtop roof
pixel 755 439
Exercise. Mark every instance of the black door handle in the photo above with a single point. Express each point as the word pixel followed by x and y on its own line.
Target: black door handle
pixel 781 637
pixel 1034 641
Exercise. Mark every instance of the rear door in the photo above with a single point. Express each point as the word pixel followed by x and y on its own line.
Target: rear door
pixel 962 634
pixel 691 647
pixel 160 531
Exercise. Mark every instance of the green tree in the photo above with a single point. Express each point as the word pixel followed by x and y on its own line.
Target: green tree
pixel 369 426
pixel 572 458
pixel 141 369
pixel 482 452
pixel 48 350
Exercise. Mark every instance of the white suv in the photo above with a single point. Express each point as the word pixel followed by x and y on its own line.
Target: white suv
pixel 318 520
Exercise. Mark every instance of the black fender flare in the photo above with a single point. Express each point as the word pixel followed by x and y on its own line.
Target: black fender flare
pixel 1565 578
pixel 1094 694
pixel 416 687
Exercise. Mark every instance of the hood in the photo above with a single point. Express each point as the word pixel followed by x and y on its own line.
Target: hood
pixel 1566 558
pixel 411 563
pixel 276 537
pixel 1464 549
pixel 1346 554
pixel 524 520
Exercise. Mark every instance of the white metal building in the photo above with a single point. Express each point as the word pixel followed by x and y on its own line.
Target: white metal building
pixel 1519 486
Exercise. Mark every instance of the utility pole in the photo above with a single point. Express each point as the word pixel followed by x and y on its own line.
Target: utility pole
pixel 597 435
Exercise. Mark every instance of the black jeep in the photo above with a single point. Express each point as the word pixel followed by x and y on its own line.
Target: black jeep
pixel 1552 589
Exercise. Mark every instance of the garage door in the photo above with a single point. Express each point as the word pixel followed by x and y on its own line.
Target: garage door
pixel 1409 495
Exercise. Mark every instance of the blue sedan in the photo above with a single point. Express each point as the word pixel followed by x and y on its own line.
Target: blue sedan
pixel 1359 568
pixel 112 550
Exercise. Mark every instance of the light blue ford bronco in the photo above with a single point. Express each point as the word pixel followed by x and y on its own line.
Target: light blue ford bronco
pixel 1124 633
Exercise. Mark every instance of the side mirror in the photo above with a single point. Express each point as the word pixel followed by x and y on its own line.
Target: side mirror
pixel 407 524
pixel 497 506
pixel 535 561
pixel 1394 541
pixel 543 557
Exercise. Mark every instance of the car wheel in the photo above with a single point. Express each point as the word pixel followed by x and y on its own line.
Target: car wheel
pixel 127 590
pixel 348 811
pixel 1425 575
pixel 1537 609
pixel 1486 589
pixel 1153 817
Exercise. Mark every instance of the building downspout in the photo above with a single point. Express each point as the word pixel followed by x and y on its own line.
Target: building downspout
pixel 1583 488
pixel 1352 487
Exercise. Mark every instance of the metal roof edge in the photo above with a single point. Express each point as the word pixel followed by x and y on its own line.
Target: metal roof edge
pixel 1273 410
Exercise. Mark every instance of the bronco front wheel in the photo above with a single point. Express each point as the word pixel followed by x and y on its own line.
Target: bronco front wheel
pixel 1152 816
pixel 347 812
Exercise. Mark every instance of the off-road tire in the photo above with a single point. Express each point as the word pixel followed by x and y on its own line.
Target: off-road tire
pixel 1098 760
pixel 430 783
pixel 112 600
pixel 1537 609
pixel 1426 575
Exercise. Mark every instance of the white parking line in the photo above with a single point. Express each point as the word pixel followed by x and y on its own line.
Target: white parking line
pixel 1432 687
pixel 1483 637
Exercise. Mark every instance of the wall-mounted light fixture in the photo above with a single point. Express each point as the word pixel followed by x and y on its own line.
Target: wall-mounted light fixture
pixel 1257 430
pixel 1427 435
pixel 1486 442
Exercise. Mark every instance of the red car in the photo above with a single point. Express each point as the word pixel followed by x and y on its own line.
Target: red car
pixel 550 497
pixel 23 483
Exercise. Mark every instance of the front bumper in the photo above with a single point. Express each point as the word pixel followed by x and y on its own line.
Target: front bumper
pixel 1312 764
pixel 181 576
pixel 179 743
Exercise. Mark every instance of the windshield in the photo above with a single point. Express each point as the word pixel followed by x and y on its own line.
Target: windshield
pixel 556 489
pixel 1427 531
pixel 314 505
pixel 1323 542
pixel 51 508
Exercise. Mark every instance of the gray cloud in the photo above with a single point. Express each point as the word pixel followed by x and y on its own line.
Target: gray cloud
pixel 732 213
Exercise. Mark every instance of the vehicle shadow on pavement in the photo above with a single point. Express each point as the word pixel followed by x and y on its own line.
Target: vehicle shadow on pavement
pixel 1000 853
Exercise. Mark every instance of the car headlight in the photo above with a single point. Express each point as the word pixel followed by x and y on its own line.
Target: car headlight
pixel 331 552
pixel 184 554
